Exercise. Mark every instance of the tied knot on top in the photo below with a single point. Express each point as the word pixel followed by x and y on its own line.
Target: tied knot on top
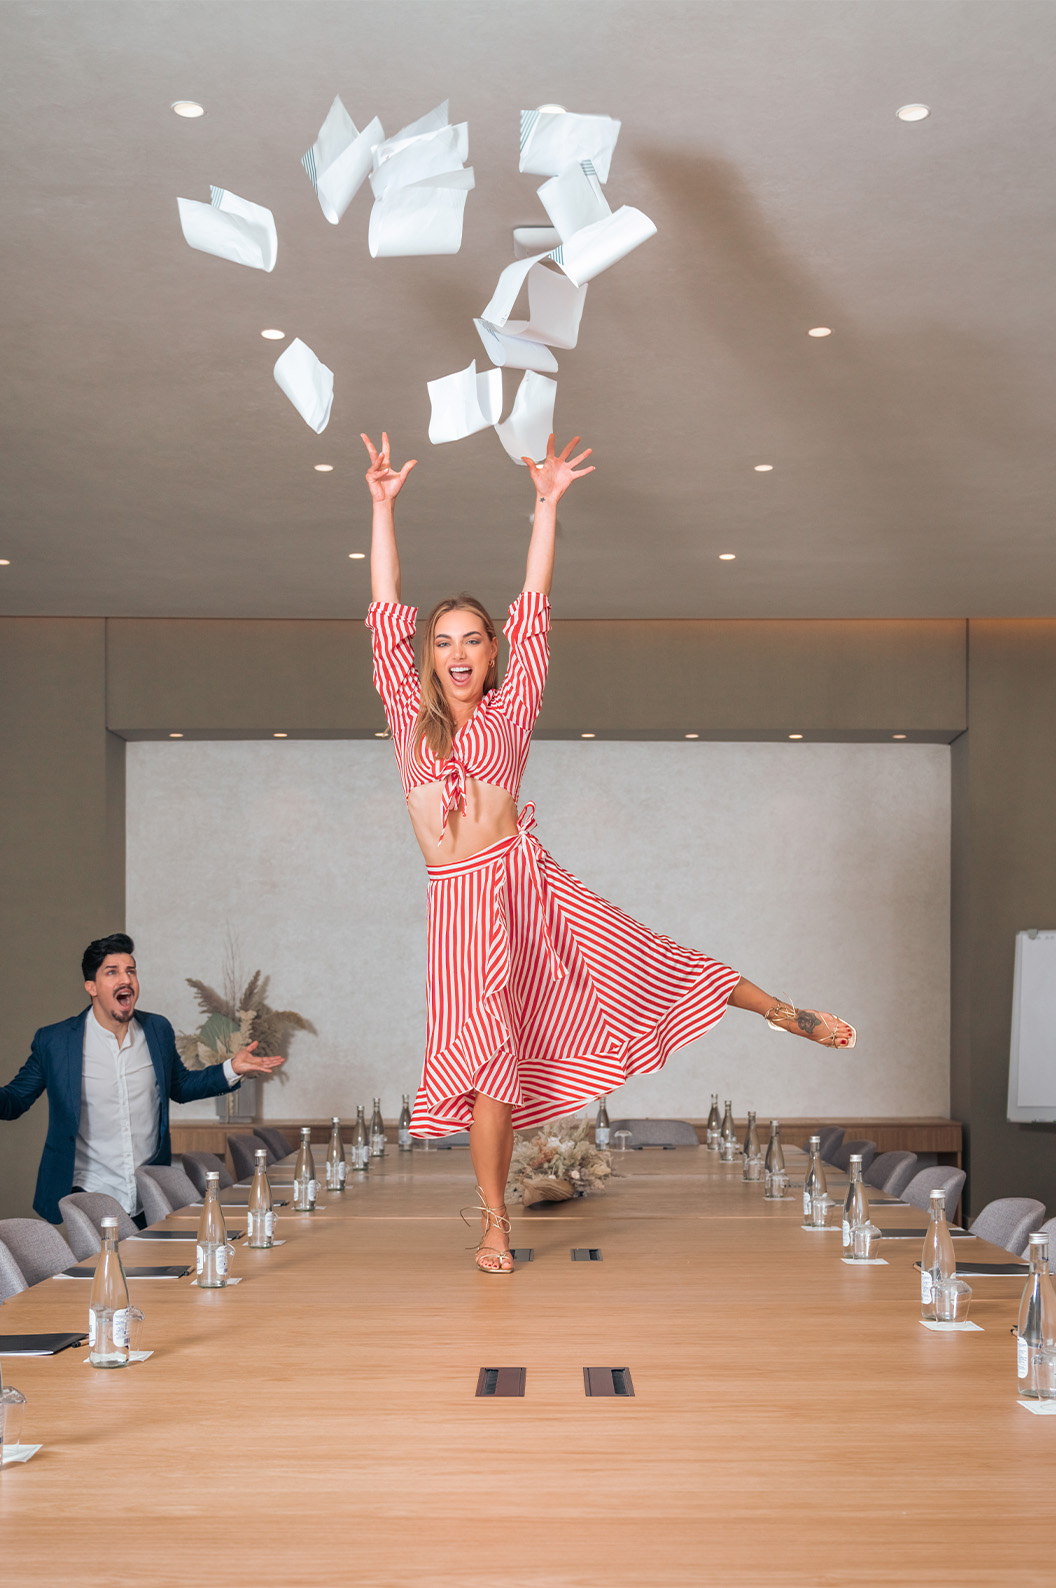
pixel 453 779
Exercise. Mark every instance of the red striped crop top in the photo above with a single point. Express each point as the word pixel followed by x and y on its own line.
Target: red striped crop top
pixel 493 745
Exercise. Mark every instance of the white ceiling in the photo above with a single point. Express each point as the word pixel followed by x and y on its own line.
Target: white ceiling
pixel 152 467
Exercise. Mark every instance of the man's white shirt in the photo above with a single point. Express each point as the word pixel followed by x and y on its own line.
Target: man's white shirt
pixel 120 1111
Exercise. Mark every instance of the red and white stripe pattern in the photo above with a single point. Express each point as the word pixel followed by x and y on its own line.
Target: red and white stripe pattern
pixel 542 995
pixel 493 745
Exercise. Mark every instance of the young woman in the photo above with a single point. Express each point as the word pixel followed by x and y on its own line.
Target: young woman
pixel 540 994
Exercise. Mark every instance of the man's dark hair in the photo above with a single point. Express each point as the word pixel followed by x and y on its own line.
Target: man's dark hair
pixel 95 953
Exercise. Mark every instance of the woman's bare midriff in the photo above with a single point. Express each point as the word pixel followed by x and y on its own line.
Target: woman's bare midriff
pixel 491 815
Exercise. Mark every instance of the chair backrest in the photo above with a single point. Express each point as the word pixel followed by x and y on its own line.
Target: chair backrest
pixel 1049 1229
pixel 276 1143
pixel 841 1158
pixel 241 1149
pixel 457 1138
pixel 656 1132
pixel 831 1136
pixel 12 1279
pixel 196 1165
pixel 891 1171
pixel 38 1248
pixel 82 1213
pixel 163 1188
pixel 940 1177
pixel 1008 1221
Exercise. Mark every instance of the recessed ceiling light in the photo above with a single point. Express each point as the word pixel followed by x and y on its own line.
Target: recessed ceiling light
pixel 553 110
pixel 273 334
pixel 357 556
pixel 820 330
pixel 795 736
pixel 692 735
pixel 898 736
pixel 913 112
pixel 323 468
pixel 280 736
pixel 727 556
pixel 188 107
pixel 588 736
pixel 5 562
pixel 175 735
pixel 763 468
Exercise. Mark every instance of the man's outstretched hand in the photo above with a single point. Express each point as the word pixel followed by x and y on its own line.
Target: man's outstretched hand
pixel 247 1062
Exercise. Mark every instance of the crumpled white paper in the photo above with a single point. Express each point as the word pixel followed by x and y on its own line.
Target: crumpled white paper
pixel 340 159
pixel 553 140
pixel 420 188
pixel 307 383
pixel 555 308
pixel 531 422
pixel 464 403
pixel 596 247
pixel 231 228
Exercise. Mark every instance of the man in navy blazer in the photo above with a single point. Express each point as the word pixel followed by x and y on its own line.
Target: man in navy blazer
pixel 109 1073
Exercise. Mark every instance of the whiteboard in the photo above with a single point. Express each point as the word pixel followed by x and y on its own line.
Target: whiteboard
pixel 1032 1057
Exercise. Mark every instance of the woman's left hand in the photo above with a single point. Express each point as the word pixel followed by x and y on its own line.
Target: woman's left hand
pixel 555 474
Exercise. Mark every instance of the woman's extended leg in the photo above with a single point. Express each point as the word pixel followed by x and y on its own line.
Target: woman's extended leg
pixel 491 1147
pixel 816 1024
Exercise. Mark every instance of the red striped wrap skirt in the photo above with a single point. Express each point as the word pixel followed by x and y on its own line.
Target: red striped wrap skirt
pixel 542 995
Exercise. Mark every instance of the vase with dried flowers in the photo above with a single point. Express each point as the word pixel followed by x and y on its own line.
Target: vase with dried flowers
pixel 559 1162
pixel 233 1020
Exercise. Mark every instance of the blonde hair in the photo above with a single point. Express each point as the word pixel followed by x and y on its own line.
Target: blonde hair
pixel 435 724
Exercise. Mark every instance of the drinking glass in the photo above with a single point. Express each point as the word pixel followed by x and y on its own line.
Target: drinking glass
pixel 952 1300
pixel 1045 1373
pixel 622 1138
pixel 776 1184
pixel 865 1239
pixel 13 1404
pixel 135 1328
pixel 819 1211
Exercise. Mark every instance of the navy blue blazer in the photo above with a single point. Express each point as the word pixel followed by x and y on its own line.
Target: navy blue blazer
pixel 56 1063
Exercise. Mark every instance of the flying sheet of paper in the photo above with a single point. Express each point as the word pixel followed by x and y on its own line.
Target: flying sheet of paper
pixel 553 140
pixel 464 403
pixel 597 247
pixel 574 200
pixel 555 308
pixel 307 383
pixel 528 429
pixel 515 352
pixel 231 228
pixel 420 188
pixel 340 160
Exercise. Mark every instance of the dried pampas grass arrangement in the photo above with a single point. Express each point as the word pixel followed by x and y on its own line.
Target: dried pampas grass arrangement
pixel 559 1162
pixel 235 1019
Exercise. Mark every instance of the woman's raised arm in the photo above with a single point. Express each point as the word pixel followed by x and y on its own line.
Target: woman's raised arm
pixel 551 479
pixel 385 486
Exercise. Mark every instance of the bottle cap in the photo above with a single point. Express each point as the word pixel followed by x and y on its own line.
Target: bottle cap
pixel 336 1120
pixel 1036 1242
pixel 259 1154
pixel 856 1157
pixel 815 1141
pixel 306 1131
pixel 939 1196
pixel 110 1223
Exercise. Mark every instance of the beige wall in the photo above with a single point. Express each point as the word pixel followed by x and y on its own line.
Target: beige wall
pixel 62 874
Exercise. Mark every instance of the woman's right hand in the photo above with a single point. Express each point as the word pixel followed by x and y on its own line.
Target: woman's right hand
pixel 384 481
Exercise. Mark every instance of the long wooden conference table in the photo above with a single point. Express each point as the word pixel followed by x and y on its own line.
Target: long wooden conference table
pixel 318 1424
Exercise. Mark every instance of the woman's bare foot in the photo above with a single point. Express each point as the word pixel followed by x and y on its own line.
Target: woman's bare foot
pixel 493 1253
pixel 815 1024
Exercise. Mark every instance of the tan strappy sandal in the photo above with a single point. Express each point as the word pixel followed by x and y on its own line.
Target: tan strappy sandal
pixel 783 1012
pixel 495 1219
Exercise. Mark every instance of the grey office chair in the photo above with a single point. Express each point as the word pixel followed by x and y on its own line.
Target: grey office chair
pixel 458 1138
pixel 163 1189
pixel 82 1212
pixel 1049 1229
pixel 276 1143
pixel 241 1149
pixel 38 1248
pixel 197 1164
pixel 891 1172
pixel 841 1158
pixel 831 1136
pixel 938 1178
pixel 656 1132
pixel 1008 1221
pixel 12 1279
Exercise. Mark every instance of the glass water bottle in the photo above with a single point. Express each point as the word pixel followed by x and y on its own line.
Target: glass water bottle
pixel 936 1260
pixel 1037 1318
pixel 212 1238
pixel 403 1129
pixel 602 1129
pixel 261 1219
pixel 714 1124
pixel 753 1157
pixel 108 1320
pixel 815 1183
pixel 728 1135
pixel 377 1131
pixel 336 1168
pixel 855 1205
pixel 361 1143
pixel 304 1185
pixel 774 1163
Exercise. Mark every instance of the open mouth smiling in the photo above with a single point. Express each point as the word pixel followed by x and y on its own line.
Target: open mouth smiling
pixel 460 675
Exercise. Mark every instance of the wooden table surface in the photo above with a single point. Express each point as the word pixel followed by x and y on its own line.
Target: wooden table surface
pixel 793 1423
